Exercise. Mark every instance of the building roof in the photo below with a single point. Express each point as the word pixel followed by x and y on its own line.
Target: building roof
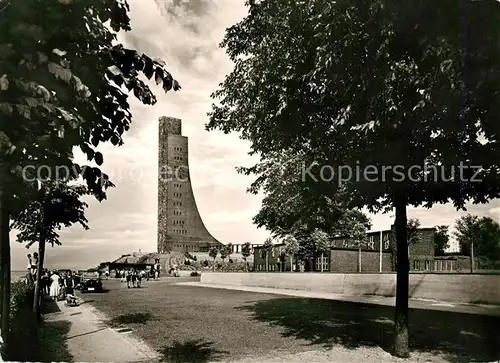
pixel 139 258
pixel 274 245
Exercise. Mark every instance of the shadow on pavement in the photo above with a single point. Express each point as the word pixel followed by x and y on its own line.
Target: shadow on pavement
pixel 86 302
pixel 193 351
pixel 132 318
pixel 455 336
pixel 88 333
pixel 53 336
pixel 49 306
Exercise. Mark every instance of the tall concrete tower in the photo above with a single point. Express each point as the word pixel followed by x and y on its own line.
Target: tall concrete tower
pixel 180 227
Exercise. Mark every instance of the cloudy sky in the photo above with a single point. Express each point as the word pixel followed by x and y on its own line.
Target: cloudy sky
pixel 186 35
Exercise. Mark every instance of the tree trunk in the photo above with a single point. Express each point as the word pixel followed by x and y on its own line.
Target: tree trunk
pixel 359 259
pixel 267 261
pixel 401 338
pixel 5 276
pixel 321 262
pixel 291 263
pixel 472 257
pixel 38 295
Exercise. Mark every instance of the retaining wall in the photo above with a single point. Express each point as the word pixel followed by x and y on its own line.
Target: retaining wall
pixel 452 288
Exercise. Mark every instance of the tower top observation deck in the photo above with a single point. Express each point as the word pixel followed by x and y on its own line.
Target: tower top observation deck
pixel 171 125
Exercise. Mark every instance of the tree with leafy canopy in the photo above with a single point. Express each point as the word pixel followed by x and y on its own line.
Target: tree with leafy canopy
pixel 213 251
pixel 412 227
pixel 441 240
pixel 372 85
pixel 466 230
pixel 225 252
pixel 290 205
pixel 292 248
pixel 321 242
pixel 63 87
pixel 354 224
pixel 266 248
pixel 58 205
pixel 289 199
pixel 246 250
pixel 478 236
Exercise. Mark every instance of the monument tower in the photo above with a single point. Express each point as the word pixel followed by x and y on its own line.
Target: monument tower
pixel 180 227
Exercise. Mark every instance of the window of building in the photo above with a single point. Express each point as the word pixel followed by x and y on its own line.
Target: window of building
pixel 427 265
pixel 322 262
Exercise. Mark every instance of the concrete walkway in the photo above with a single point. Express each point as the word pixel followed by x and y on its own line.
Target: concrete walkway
pixel 492 310
pixel 91 340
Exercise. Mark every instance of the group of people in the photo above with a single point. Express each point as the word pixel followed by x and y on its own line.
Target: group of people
pixel 59 286
pixel 133 277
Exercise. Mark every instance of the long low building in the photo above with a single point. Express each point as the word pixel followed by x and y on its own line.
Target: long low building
pixel 376 254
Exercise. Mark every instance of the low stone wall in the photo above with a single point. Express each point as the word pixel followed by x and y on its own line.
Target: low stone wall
pixel 452 288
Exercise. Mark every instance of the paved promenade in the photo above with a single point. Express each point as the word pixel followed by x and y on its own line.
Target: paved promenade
pixel 90 339
pixel 492 310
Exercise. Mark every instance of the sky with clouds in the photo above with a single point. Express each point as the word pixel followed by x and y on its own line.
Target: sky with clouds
pixel 186 34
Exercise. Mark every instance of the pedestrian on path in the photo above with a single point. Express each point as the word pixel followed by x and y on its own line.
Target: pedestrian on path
pixel 54 286
pixel 128 278
pixel 134 277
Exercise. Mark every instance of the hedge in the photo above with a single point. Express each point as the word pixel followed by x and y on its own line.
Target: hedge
pixel 23 338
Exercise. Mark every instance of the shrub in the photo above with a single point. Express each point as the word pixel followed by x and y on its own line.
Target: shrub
pixel 194 274
pixel 23 340
pixel 205 263
pixel 231 267
pixel 187 262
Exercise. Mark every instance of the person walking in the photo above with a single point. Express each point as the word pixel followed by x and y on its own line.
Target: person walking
pixel 45 282
pixel 54 285
pixel 34 265
pixel 134 278
pixel 139 278
pixel 69 284
pixel 128 278
pixel 29 275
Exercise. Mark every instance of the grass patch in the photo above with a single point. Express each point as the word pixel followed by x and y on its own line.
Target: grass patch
pixel 194 324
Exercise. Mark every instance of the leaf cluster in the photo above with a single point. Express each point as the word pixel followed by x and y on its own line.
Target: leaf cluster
pixel 57 205
pixel 374 84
